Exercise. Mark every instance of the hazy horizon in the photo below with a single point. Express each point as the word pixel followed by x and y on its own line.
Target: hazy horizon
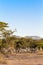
pixel 24 15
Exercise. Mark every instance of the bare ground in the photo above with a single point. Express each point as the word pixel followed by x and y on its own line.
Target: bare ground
pixel 24 59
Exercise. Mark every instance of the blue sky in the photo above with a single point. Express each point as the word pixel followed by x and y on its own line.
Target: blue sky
pixel 24 15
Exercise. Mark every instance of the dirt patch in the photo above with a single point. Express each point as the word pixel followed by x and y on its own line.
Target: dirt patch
pixel 24 59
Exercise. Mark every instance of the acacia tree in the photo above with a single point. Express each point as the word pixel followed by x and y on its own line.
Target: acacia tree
pixel 3 27
pixel 6 36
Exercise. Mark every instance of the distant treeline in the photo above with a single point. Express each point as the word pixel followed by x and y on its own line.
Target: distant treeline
pixel 12 43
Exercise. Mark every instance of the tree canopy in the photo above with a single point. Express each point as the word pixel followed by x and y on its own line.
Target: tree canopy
pixel 9 40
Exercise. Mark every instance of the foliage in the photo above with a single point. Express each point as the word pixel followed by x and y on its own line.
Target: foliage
pixel 9 40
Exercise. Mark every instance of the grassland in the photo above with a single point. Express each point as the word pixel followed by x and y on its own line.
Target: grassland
pixel 22 59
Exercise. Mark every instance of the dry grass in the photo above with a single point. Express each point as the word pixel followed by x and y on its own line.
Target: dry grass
pixel 2 59
pixel 23 59
pixel 40 53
